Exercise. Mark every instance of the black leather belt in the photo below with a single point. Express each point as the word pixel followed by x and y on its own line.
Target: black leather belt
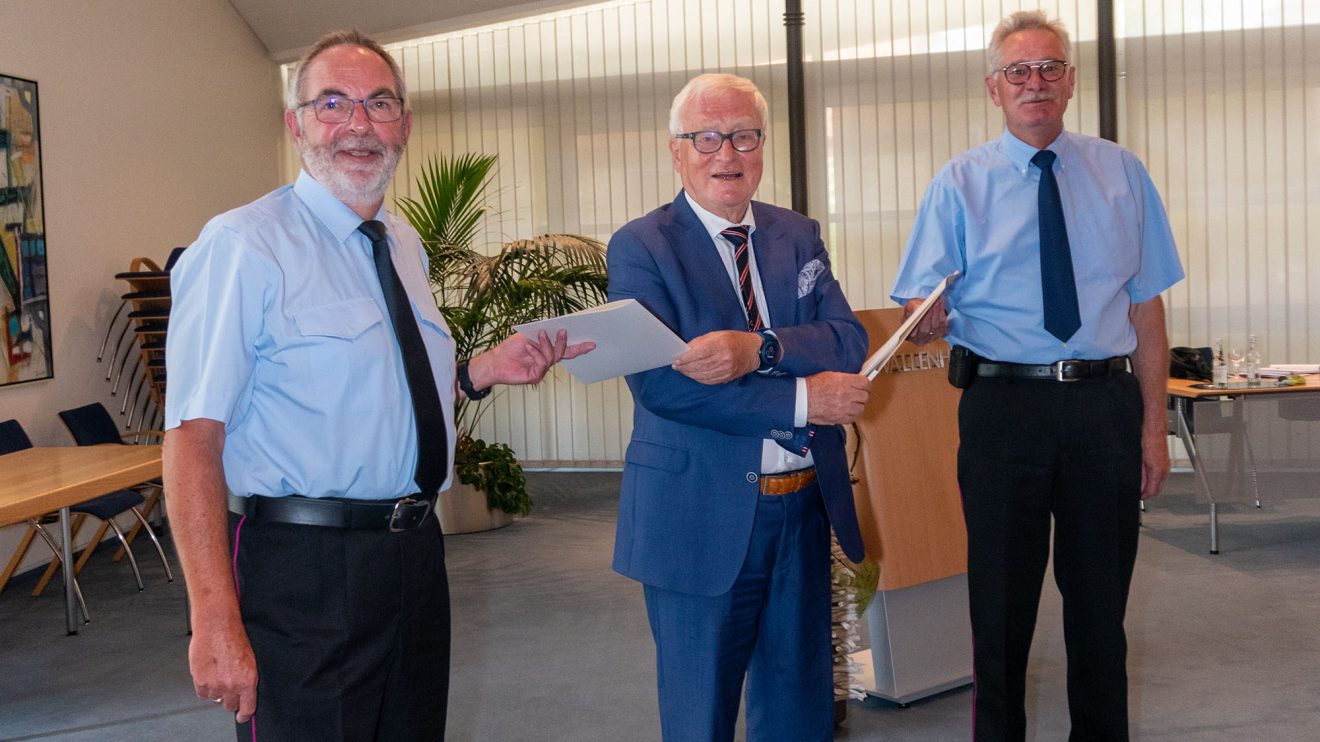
pixel 1075 370
pixel 402 514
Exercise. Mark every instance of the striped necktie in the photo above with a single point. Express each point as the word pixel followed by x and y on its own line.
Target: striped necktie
pixel 737 235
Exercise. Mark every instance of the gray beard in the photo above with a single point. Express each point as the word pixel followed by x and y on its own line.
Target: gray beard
pixel 319 162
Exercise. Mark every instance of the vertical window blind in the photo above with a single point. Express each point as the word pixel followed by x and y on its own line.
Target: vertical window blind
pixel 1215 96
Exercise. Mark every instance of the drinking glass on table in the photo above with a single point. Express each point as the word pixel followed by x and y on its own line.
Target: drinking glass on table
pixel 1235 356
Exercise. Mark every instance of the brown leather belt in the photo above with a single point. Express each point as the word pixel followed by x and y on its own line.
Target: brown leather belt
pixel 788 482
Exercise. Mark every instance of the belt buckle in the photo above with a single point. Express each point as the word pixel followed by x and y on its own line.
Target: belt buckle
pixel 1059 373
pixel 407 501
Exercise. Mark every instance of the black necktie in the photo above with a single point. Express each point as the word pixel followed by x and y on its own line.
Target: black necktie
pixel 737 236
pixel 1058 288
pixel 432 442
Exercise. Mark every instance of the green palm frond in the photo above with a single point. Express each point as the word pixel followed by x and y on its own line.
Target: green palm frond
pixel 482 297
pixel 452 199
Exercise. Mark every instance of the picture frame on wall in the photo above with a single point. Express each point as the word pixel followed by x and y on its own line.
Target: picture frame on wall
pixel 25 326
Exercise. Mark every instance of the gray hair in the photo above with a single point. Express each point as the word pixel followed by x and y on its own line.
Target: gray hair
pixel 1026 20
pixel 711 82
pixel 295 94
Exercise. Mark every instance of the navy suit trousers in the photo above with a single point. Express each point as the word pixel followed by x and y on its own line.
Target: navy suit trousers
pixel 772 628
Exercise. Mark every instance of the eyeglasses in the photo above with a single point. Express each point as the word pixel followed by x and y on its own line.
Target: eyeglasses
pixel 1051 70
pixel 710 142
pixel 337 109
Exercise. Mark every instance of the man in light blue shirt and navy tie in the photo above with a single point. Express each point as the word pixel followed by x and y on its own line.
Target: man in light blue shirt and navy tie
pixel 312 381
pixel 1059 343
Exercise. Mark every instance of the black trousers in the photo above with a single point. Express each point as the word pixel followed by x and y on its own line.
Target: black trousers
pixel 350 628
pixel 1031 451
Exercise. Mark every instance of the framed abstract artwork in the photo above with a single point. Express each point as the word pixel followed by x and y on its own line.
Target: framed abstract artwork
pixel 25 342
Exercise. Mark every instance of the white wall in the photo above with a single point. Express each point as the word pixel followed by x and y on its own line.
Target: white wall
pixel 155 116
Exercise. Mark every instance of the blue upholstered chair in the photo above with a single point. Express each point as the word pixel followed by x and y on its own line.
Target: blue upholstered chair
pixel 91 425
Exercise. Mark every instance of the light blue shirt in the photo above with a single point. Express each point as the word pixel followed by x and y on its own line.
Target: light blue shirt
pixel 979 216
pixel 279 330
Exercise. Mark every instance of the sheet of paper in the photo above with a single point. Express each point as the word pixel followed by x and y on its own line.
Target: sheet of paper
pixel 885 352
pixel 628 339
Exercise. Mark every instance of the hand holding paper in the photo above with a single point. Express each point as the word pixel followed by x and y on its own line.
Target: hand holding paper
pixel 886 351
pixel 628 339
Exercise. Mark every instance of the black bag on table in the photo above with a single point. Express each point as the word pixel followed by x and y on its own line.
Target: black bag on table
pixel 1190 363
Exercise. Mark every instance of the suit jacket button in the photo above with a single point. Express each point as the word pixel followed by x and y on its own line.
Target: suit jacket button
pixel 751 476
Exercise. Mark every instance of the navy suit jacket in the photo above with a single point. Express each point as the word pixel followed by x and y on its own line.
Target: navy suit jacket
pixel 691 470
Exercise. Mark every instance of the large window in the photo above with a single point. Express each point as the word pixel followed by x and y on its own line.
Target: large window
pixel 1216 97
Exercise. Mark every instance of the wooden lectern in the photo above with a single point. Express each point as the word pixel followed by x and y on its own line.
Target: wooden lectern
pixel 904 455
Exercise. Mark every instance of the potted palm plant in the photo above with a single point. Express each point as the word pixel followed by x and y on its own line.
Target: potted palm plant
pixel 482 297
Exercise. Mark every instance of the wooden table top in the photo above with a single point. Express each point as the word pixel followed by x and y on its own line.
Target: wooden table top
pixel 36 481
pixel 1187 388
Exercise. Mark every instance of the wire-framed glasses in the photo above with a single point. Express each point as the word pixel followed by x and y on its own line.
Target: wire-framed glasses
pixel 336 109
pixel 1051 70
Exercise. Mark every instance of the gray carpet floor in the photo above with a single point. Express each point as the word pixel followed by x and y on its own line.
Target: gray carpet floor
pixel 549 644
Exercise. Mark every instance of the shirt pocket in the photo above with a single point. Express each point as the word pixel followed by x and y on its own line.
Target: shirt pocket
pixel 345 320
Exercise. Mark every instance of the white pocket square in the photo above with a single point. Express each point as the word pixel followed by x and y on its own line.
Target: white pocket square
pixel 808 275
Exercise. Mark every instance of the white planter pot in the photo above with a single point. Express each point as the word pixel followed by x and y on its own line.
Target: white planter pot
pixel 462 509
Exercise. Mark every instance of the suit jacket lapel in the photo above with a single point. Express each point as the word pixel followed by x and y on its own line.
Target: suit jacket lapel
pixel 777 265
pixel 690 239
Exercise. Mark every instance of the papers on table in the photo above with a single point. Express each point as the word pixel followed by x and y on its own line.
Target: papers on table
pixel 628 339
pixel 1283 370
pixel 885 352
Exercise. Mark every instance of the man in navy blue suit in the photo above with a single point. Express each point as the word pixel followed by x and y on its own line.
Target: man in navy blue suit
pixel 736 469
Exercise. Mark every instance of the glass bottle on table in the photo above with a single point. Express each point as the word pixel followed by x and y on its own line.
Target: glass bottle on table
pixel 1219 371
pixel 1251 362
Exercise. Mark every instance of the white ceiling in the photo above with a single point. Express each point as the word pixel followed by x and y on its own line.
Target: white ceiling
pixel 287 27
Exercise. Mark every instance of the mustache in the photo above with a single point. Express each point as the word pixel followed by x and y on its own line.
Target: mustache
pixel 1036 97
pixel 359 142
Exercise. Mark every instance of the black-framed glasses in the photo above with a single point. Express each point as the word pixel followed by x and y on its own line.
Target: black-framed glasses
pixel 710 142
pixel 336 109
pixel 1051 70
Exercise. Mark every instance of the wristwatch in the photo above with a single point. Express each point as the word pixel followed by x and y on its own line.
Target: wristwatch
pixel 771 351
pixel 465 383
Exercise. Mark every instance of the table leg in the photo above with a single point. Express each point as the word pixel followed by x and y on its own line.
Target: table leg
pixel 66 553
pixel 1185 433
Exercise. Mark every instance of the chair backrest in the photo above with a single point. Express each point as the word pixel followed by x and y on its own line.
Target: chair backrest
pixel 12 437
pixel 91 424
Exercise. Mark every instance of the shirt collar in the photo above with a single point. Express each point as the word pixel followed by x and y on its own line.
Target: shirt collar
pixel 716 224
pixel 1019 153
pixel 330 211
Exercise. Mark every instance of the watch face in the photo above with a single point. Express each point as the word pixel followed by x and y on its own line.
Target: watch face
pixel 770 351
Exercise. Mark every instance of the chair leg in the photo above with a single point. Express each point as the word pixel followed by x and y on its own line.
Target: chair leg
pixel 91 546
pixel 146 509
pixel 55 549
pixel 137 575
pixel 19 552
pixel 142 524
pixel 76 526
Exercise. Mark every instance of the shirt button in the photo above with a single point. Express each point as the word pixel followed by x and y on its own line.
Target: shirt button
pixel 751 476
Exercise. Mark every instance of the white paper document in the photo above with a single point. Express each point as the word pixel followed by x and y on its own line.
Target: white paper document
pixel 628 339
pixel 885 352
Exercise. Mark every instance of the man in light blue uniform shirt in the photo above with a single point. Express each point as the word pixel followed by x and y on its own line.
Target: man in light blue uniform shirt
pixel 1052 423
pixel 300 392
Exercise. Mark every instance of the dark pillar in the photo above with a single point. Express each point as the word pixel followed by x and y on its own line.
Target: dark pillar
pixel 797 106
pixel 1108 72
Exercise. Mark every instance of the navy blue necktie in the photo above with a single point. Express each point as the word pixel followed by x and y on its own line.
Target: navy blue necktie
pixel 737 236
pixel 432 440
pixel 1058 287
